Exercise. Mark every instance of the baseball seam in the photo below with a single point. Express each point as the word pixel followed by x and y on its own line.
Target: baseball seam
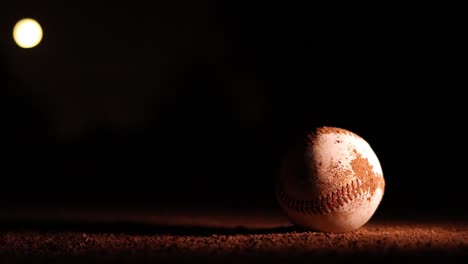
pixel 323 204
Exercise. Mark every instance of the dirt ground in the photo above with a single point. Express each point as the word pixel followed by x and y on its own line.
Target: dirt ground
pixel 214 236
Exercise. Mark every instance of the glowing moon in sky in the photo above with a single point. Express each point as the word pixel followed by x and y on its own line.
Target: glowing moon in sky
pixel 27 33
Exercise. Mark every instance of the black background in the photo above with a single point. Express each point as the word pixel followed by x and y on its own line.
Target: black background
pixel 193 103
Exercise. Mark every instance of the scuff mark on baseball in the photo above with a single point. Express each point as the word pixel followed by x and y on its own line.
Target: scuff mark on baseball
pixel 332 183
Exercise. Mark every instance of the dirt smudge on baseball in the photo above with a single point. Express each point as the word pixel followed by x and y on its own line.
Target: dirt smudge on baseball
pixel 365 173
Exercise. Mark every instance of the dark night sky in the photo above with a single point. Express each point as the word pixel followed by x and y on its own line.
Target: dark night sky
pixel 190 101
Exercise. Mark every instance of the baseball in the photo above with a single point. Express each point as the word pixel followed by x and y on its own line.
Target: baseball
pixel 333 182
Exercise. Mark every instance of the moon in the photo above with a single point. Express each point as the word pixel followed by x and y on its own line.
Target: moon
pixel 27 33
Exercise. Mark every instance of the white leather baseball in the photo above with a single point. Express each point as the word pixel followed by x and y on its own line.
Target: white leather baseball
pixel 333 183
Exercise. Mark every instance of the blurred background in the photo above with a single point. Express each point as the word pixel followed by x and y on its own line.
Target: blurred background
pixel 188 103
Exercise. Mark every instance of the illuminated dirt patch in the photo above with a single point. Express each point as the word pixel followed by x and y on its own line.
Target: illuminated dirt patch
pixel 218 236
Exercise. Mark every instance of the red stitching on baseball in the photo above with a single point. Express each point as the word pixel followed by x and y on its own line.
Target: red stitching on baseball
pixel 325 203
